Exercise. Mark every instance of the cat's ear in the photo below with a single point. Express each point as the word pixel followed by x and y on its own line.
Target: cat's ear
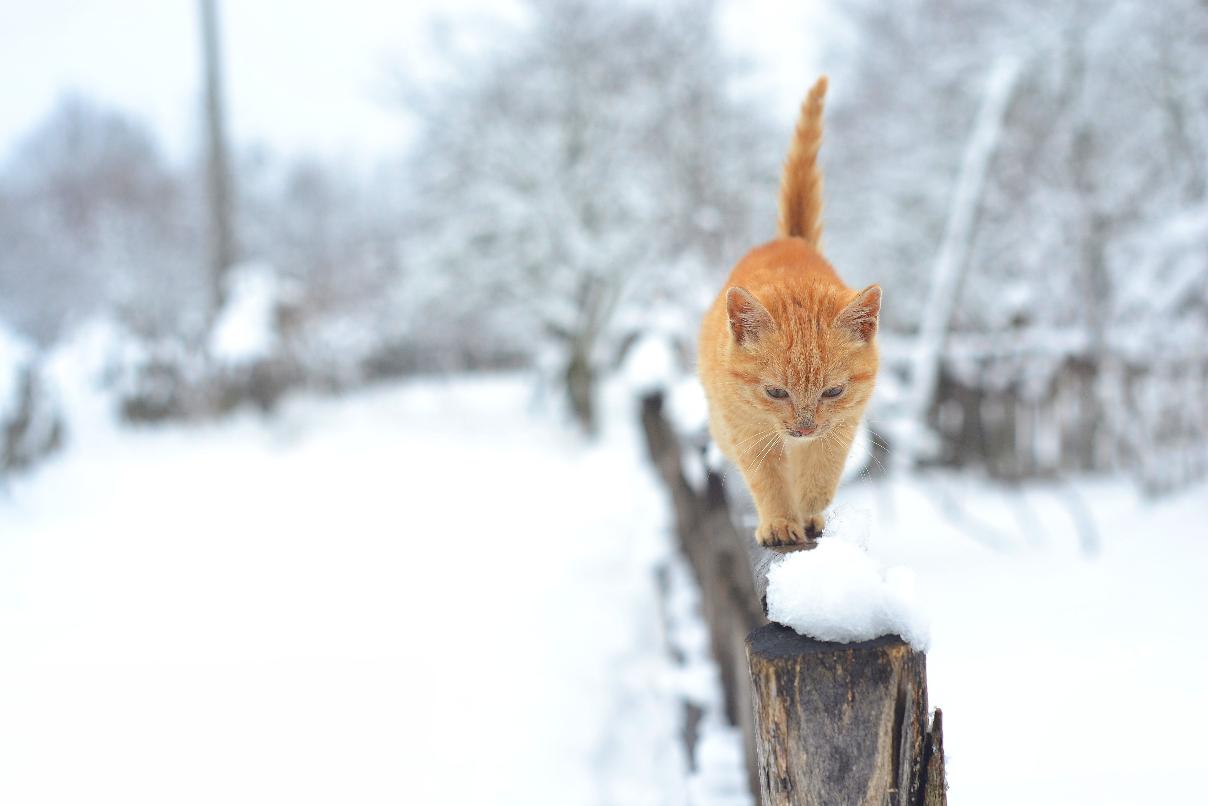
pixel 861 314
pixel 748 318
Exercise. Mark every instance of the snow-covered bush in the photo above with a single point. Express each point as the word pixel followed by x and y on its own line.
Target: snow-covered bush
pixel 247 360
pixel 98 225
pixel 163 378
pixel 244 361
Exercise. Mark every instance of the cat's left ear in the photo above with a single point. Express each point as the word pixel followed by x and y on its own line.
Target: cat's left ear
pixel 748 318
pixel 861 314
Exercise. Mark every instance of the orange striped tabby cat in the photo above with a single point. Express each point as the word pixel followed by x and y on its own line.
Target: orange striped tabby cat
pixel 788 356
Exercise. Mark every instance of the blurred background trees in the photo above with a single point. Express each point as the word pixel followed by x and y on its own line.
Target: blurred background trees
pixel 591 173
pixel 95 222
pixel 1079 330
pixel 586 174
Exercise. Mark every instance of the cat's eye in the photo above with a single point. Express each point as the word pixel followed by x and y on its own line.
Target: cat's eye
pixel 776 392
pixel 834 391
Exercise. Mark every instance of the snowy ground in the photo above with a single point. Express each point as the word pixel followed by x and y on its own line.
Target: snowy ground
pixel 1070 671
pixel 430 594
pixel 422 594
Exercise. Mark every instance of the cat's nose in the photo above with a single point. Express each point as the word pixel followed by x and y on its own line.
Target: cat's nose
pixel 803 430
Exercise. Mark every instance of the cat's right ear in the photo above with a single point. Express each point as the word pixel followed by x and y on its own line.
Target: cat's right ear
pixel 748 318
pixel 861 315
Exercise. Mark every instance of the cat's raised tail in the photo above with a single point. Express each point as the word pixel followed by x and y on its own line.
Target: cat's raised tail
pixel 801 185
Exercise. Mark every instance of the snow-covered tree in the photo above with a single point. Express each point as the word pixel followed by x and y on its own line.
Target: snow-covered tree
pixel 93 219
pixel 333 238
pixel 1066 267
pixel 97 224
pixel 590 168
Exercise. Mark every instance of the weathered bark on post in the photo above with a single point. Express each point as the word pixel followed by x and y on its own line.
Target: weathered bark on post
pixel 935 784
pixel 838 723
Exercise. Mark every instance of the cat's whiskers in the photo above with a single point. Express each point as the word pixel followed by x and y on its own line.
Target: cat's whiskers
pixel 773 442
pixel 879 441
pixel 758 435
pixel 754 442
pixel 831 442
pixel 763 446
pixel 759 445
pixel 871 454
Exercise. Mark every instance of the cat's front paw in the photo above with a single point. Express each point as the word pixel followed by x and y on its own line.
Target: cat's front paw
pixel 814 524
pixel 780 532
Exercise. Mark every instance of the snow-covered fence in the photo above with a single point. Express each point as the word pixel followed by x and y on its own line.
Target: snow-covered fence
pixel 1087 417
pixel 1043 404
pixel 30 425
pixel 822 722
pixel 718 562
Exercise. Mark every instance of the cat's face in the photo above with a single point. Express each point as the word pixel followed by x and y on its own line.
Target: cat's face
pixel 804 366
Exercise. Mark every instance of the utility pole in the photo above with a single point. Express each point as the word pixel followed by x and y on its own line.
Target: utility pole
pixel 218 176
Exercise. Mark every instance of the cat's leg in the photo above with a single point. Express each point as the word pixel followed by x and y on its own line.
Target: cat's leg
pixel 779 523
pixel 758 453
pixel 817 468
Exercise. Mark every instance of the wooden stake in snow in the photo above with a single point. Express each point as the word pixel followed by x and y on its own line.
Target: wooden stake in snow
pixel 958 235
pixel 843 723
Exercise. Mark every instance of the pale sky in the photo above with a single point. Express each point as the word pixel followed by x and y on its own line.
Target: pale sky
pixel 302 75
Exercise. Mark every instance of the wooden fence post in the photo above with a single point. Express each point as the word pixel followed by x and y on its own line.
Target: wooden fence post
pixel 841 723
pixel 824 724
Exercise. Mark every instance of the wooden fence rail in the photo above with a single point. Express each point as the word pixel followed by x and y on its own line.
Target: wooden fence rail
pixel 823 723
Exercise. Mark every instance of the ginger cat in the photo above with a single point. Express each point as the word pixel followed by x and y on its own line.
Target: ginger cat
pixel 788 356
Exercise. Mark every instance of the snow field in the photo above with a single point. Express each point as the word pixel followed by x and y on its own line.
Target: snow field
pixel 1078 668
pixel 420 594
pixel 429 594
